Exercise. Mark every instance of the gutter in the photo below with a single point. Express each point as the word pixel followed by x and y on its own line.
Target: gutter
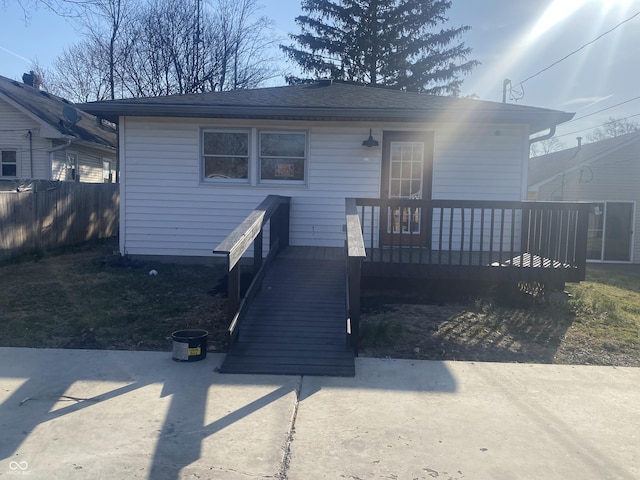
pixel 552 132
pixel 65 145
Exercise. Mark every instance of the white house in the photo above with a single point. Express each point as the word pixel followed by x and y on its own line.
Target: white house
pixel 193 166
pixel 48 138
pixel 606 173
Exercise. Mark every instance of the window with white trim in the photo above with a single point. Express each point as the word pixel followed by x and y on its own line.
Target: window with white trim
pixel 283 156
pixel 8 163
pixel 225 155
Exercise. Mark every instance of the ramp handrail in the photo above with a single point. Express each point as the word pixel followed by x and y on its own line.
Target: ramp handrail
pixel 273 209
pixel 355 249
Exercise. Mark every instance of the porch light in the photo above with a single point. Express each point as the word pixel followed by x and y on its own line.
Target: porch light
pixel 370 142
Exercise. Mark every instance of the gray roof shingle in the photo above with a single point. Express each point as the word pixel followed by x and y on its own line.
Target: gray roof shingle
pixel 547 166
pixel 49 108
pixel 335 101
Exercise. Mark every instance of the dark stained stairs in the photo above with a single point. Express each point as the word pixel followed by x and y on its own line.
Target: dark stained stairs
pixel 296 324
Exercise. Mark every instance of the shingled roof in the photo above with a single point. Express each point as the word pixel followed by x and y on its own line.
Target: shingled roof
pixel 546 167
pixel 329 101
pixel 48 109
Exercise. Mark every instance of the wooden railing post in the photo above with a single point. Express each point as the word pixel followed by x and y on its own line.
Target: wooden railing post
pixel 257 253
pixel 354 265
pixel 233 297
pixel 355 253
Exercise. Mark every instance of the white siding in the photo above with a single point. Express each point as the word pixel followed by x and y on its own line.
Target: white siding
pixel 480 164
pixel 89 164
pixel 167 210
pixel 614 179
pixel 14 128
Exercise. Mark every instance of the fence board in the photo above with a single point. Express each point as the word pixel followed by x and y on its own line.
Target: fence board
pixel 56 214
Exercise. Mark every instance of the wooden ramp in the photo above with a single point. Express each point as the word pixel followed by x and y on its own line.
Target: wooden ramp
pixel 297 323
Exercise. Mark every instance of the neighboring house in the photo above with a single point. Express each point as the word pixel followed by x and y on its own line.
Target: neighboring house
pixel 606 173
pixel 48 138
pixel 193 166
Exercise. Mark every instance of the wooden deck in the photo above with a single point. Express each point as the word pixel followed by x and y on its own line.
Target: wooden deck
pixel 296 324
pixel 412 262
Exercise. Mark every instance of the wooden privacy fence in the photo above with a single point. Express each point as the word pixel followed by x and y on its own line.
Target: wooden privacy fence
pixel 40 215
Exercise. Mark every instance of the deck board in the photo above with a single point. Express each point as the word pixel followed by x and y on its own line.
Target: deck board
pixel 296 325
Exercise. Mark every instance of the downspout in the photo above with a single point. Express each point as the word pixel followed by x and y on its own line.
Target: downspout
pixel 59 147
pixel 30 153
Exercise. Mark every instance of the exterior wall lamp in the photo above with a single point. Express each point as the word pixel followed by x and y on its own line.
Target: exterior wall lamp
pixel 370 142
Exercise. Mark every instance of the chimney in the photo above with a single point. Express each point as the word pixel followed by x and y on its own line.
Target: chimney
pixel 579 139
pixel 32 79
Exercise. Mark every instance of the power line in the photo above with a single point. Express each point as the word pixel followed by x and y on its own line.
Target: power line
pixel 581 48
pixel 604 109
pixel 597 126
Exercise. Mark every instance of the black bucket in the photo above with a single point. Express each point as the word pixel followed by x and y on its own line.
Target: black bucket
pixel 189 345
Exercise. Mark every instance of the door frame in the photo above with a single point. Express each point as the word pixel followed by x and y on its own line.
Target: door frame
pixel 389 136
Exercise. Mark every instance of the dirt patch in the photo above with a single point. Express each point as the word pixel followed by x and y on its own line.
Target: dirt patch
pixel 527 330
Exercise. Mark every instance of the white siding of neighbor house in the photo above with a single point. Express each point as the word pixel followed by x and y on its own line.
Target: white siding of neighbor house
pixel 89 163
pixel 14 128
pixel 614 179
pixel 167 210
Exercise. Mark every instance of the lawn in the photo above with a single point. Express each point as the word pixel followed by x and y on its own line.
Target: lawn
pixel 89 297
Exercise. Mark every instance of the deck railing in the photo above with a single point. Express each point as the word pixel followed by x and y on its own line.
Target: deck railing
pixel 461 233
pixel 273 210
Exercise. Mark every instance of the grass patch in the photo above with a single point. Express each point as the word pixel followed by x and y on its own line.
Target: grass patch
pixel 87 297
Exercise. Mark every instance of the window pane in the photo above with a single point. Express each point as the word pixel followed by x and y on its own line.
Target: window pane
pixel 282 144
pixel 9 170
pixel 9 163
pixel 8 156
pixel 282 169
pixel 226 143
pixel 226 167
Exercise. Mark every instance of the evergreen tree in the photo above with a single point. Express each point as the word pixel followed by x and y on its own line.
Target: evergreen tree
pixel 394 43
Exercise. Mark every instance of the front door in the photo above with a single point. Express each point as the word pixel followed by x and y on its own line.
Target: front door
pixel 407 161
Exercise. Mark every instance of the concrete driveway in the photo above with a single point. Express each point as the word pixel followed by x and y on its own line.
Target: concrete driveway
pixel 67 414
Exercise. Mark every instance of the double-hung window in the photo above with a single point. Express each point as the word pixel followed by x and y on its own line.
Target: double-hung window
pixel 225 155
pixel 8 163
pixel 283 156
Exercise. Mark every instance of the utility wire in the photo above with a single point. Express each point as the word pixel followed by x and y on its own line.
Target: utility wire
pixel 604 109
pixel 597 126
pixel 581 48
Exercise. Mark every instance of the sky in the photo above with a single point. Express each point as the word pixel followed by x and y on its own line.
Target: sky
pixel 513 40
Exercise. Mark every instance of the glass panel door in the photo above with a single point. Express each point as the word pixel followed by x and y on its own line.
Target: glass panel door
pixel 405 181
pixel 595 233
pixel 617 232
pixel 610 231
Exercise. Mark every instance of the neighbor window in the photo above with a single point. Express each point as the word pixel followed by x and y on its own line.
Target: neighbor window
pixel 225 155
pixel 8 163
pixel 283 156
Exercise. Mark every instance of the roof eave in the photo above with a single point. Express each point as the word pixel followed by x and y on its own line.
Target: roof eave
pixel 537 120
